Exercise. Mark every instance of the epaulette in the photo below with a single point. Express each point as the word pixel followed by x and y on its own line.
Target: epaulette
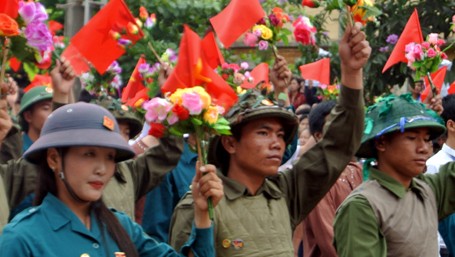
pixel 25 214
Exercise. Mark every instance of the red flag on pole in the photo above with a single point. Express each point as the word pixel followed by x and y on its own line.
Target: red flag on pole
pixel 192 70
pixel 236 19
pixel 211 51
pixel 438 79
pixel 319 70
pixel 260 73
pixel 10 7
pixel 94 40
pixel 411 33
pixel 135 83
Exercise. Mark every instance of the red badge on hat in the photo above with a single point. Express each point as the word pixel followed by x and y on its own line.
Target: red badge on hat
pixel 108 123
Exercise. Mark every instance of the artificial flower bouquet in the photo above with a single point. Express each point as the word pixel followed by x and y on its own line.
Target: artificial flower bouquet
pixel 108 83
pixel 426 57
pixel 269 31
pixel 187 111
pixel 304 31
pixel 24 33
pixel 236 75
pixel 329 92
pixel 362 11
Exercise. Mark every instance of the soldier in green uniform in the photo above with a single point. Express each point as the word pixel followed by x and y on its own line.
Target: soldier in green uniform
pixel 396 212
pixel 77 151
pixel 261 207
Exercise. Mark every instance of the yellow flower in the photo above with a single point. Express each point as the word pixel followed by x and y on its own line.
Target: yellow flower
pixel 266 33
pixel 211 115
pixel 176 97
pixel 205 97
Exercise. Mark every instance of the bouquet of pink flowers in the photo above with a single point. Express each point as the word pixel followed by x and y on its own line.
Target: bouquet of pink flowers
pixel 425 58
pixel 107 84
pixel 24 33
pixel 236 75
pixel 329 92
pixel 269 30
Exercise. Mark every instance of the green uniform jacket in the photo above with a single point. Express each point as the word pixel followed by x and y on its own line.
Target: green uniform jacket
pixel 133 179
pixel 52 229
pixel 359 232
pixel 262 224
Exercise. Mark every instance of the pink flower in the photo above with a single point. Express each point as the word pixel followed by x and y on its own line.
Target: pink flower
pixel 440 42
pixel 304 31
pixel 263 45
pixel 38 36
pixel 433 38
pixel 250 39
pixel 431 53
pixel 172 118
pixel 192 101
pixel 426 45
pixel 32 12
pixel 157 109
pixel 417 52
pixel 238 78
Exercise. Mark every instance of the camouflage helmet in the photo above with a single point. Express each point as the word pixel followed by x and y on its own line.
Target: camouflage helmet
pixel 252 105
pixel 121 112
pixel 396 113
pixel 35 95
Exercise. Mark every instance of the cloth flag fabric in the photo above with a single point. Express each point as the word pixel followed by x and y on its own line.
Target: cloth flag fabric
pixel 135 83
pixel 236 19
pixel 192 69
pixel 411 33
pixel 260 73
pixel 39 80
pixel 94 41
pixel 319 70
pixel 10 7
pixel 211 51
pixel 451 88
pixel 78 62
pixel 438 79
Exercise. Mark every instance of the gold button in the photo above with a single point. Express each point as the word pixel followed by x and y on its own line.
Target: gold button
pixel 226 243
pixel 85 255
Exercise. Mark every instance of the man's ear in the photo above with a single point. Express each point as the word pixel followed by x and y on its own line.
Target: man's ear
pixel 380 144
pixel 450 125
pixel 317 136
pixel 229 144
pixel 27 116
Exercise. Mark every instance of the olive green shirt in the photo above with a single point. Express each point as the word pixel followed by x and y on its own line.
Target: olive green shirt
pixel 357 229
pixel 262 224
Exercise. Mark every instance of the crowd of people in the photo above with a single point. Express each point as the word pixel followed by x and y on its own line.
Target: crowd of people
pixel 302 176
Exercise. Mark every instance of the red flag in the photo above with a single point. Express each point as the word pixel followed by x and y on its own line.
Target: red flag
pixel 138 99
pixel 260 73
pixel 451 88
pixel 55 26
pixel 39 80
pixel 411 33
pixel 438 79
pixel 78 62
pixel 211 51
pixel 192 70
pixel 135 83
pixel 319 70
pixel 10 7
pixel 236 19
pixel 94 41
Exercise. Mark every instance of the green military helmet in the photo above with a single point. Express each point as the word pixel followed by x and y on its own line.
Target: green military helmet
pixel 122 113
pixel 252 105
pixel 396 113
pixel 34 96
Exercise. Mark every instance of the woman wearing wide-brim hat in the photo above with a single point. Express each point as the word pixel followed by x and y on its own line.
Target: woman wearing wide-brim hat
pixel 78 150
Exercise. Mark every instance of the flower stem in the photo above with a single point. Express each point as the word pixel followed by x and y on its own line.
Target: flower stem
pixel 202 148
pixel 155 53
pixel 434 91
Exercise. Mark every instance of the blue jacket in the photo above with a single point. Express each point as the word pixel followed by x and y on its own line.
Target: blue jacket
pixel 52 229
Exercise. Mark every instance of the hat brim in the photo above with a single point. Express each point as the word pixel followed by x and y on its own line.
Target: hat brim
pixel 134 124
pixel 217 155
pixel 368 149
pixel 79 137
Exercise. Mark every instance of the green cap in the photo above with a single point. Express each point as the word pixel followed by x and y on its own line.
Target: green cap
pixel 121 112
pixel 35 95
pixel 396 113
pixel 252 105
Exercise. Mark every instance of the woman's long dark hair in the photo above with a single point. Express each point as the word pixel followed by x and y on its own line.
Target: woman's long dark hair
pixel 104 217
